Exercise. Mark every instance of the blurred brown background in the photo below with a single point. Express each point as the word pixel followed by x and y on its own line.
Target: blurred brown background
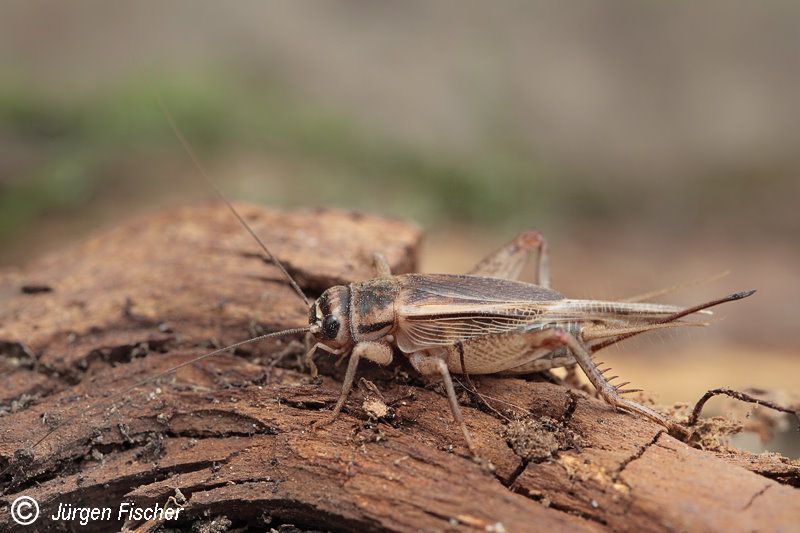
pixel 653 144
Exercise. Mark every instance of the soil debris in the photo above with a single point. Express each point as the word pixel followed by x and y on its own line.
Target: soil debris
pixel 219 524
pixel 540 439
pixel 375 408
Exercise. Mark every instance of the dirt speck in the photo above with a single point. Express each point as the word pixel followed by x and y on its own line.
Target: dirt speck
pixel 711 433
pixel 219 524
pixel 375 408
pixel 539 439
pixel 35 288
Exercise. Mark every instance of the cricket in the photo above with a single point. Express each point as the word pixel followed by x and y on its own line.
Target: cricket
pixel 484 322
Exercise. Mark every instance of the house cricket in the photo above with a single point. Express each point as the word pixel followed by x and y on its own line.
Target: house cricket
pixel 484 322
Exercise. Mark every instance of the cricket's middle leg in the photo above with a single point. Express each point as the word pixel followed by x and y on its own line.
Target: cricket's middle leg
pixel 427 365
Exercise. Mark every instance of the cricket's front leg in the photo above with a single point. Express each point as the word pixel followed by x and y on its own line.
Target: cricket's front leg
pixel 508 261
pixel 377 352
pixel 427 365
pixel 311 349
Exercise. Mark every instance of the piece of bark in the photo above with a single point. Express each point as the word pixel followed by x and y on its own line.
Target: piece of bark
pixel 237 439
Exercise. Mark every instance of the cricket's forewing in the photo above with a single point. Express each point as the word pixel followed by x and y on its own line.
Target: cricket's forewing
pixel 442 309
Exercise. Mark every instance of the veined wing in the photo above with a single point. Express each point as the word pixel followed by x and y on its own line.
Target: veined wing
pixel 424 289
pixel 440 310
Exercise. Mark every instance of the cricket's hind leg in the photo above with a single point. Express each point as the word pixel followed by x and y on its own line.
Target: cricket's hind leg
pixel 607 391
pixel 541 352
pixel 508 261
pixel 381 265
pixel 430 365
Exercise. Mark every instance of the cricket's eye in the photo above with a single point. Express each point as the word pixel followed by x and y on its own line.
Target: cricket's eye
pixel 312 314
pixel 330 327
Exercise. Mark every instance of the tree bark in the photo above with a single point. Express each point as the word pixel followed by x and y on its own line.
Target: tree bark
pixel 235 434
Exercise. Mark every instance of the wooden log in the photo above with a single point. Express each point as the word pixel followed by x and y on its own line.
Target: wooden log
pixel 234 435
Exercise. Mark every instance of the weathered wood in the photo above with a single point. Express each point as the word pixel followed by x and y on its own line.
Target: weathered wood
pixel 236 437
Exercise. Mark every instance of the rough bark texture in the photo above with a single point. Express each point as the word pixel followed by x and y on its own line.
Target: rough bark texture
pixel 235 435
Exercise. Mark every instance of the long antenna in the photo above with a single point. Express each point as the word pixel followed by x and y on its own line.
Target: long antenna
pixel 150 379
pixel 680 314
pixel 117 395
pixel 678 286
pixel 188 148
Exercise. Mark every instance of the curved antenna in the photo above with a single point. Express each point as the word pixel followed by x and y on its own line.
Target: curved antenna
pixel 643 297
pixel 117 395
pixel 188 148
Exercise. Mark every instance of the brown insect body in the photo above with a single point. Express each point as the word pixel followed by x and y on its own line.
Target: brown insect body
pixel 480 324
pixel 435 312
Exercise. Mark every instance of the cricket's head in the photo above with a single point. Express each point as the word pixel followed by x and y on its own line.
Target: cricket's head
pixel 329 318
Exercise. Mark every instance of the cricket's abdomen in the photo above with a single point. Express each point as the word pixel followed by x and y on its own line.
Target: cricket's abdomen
pixel 554 359
pixel 513 352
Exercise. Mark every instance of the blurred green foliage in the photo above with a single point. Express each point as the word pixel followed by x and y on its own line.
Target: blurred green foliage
pixel 73 143
pixel 64 155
